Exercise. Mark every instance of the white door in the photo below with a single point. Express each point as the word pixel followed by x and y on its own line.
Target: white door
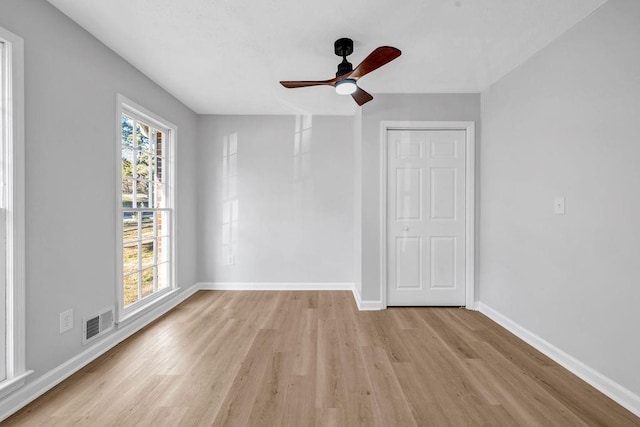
pixel 426 217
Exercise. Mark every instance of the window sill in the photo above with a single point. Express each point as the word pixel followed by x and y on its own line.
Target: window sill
pixel 13 384
pixel 136 313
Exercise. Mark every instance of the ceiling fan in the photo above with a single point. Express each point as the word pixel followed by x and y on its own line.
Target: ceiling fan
pixel 347 76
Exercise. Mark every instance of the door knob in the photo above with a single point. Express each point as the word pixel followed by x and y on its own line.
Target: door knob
pixel 405 228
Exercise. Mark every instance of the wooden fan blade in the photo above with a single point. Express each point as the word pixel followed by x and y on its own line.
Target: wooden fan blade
pixel 295 84
pixel 375 60
pixel 361 96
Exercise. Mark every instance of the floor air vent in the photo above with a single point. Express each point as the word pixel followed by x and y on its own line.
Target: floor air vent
pixel 96 325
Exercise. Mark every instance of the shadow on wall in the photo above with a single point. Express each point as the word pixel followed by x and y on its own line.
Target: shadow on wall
pixel 230 212
pixel 302 183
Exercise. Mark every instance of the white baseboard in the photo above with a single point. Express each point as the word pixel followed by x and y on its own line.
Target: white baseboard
pixel 44 383
pixel 366 305
pixel 274 286
pixel 604 384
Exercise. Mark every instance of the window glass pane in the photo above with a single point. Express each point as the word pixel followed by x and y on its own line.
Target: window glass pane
pixel 159 169
pixel 147 281
pixel 147 253
pixel 130 289
pixel 162 223
pixel 143 166
pixel 147 224
pixel 142 137
pixel 152 168
pixel 127 131
pixel 127 193
pixel 159 148
pixel 155 136
pixel 129 226
pixel 158 196
pixel 129 257
pixel 127 163
pixel 142 194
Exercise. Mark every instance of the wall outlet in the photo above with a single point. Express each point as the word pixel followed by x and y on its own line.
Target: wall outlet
pixel 66 320
pixel 231 260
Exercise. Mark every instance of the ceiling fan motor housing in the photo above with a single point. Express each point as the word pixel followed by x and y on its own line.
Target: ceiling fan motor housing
pixel 343 47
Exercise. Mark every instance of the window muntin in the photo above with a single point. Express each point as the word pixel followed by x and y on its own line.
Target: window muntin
pixel 146 209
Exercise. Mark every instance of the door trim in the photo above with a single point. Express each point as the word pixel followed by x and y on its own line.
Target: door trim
pixel 470 143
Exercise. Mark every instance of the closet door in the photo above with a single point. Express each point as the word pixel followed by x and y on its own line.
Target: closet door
pixel 426 217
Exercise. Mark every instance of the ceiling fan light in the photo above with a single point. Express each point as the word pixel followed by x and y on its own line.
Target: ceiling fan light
pixel 346 87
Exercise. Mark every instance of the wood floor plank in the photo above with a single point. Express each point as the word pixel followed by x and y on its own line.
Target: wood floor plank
pixel 329 370
pixel 450 335
pixel 269 404
pixel 421 397
pixel 359 401
pixel 437 366
pixel 385 336
pixel 308 359
pixel 299 401
pixel 391 404
pixel 235 410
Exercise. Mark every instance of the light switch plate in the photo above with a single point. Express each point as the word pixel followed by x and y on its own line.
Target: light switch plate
pixel 558 206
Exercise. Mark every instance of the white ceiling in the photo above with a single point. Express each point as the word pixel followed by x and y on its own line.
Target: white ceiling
pixel 227 56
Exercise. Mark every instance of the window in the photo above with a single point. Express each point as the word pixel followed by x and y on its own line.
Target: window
pixel 12 272
pixel 145 169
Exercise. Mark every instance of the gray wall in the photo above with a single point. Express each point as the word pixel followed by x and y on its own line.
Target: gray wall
pixel 357 201
pixel 71 82
pixel 563 124
pixel 417 107
pixel 292 228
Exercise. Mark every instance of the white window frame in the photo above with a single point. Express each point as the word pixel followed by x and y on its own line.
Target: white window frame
pixel 12 115
pixel 132 311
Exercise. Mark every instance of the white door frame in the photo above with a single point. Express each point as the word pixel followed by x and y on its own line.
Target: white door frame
pixel 469 127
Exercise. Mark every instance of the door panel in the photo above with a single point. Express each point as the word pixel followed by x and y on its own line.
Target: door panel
pixel 408 255
pixel 443 262
pixel 426 217
pixel 443 192
pixel 409 149
pixel 408 194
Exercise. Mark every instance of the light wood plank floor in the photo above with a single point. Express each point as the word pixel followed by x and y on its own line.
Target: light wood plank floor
pixel 311 359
